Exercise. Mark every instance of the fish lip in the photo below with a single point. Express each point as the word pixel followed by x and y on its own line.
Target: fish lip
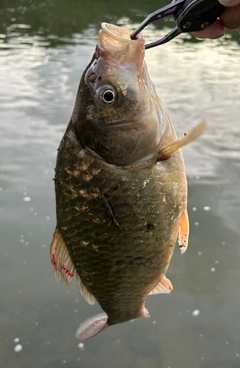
pixel 115 43
pixel 119 33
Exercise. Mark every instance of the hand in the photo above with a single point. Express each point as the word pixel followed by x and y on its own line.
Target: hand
pixel 229 19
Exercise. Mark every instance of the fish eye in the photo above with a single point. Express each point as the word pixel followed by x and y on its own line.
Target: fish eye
pixel 106 95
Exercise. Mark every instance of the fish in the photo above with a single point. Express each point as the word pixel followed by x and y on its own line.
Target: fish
pixel 120 185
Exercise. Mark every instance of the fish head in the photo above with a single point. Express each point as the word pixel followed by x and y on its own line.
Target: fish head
pixel 113 77
pixel 116 114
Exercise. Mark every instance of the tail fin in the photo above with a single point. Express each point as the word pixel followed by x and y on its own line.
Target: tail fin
pixel 92 326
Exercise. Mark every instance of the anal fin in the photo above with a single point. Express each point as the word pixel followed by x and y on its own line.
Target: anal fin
pixel 163 287
pixel 183 232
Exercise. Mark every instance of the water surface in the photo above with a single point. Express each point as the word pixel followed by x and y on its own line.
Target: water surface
pixel 44 48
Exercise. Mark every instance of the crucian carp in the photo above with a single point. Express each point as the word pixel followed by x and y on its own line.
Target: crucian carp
pixel 120 182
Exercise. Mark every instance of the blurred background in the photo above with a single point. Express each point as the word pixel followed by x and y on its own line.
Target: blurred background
pixel 44 48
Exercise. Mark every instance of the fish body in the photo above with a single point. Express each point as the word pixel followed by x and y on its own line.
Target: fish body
pixel 121 191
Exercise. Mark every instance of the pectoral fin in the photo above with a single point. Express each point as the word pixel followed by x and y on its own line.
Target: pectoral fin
pixel 163 287
pixel 92 326
pixel 183 232
pixel 63 266
pixel 166 151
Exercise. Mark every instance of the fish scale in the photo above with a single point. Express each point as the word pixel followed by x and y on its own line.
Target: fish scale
pixel 120 184
pixel 135 205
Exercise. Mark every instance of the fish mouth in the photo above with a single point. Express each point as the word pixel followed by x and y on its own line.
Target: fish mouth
pixel 115 42
pixel 118 33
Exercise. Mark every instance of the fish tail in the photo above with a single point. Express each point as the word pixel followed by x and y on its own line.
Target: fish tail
pixel 92 326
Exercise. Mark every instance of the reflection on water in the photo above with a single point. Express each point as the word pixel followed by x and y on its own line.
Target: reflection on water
pixel 41 62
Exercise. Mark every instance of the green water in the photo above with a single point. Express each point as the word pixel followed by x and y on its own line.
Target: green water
pixel 44 48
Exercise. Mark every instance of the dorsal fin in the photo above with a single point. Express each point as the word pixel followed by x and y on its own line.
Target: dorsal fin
pixel 60 258
pixel 84 291
pixel 63 266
